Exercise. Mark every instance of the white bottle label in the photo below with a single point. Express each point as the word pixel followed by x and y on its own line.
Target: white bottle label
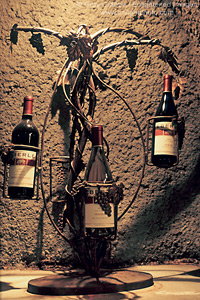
pixel 166 139
pixel 95 217
pixel 22 169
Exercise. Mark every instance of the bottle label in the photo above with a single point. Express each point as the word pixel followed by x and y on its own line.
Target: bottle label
pixel 22 169
pixel 166 139
pixel 95 216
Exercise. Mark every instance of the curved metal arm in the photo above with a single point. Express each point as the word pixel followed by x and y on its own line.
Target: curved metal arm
pixel 115 29
pixel 125 43
pixel 38 29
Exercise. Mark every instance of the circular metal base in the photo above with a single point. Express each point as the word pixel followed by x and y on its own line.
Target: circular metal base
pixel 77 283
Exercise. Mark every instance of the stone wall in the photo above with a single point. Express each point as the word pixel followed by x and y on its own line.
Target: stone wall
pixel 163 223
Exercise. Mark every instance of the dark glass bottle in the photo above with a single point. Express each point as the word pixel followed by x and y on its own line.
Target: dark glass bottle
pixel 100 210
pixel 165 137
pixel 25 137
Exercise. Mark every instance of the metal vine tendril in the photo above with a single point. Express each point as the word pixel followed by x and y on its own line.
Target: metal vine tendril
pixel 82 47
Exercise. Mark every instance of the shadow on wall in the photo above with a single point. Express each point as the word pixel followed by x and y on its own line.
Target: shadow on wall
pixel 58 105
pixel 159 214
pixel 39 242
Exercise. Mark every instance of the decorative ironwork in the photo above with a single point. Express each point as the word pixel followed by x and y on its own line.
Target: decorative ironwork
pixel 83 52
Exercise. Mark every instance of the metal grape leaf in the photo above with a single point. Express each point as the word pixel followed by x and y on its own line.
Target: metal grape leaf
pixel 169 57
pixel 181 131
pixel 177 92
pixel 14 35
pixel 132 55
pixel 36 42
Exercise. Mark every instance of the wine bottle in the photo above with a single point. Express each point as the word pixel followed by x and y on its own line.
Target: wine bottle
pixel 100 210
pixel 165 136
pixel 25 138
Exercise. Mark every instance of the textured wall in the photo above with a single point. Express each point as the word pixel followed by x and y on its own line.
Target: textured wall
pixel 163 224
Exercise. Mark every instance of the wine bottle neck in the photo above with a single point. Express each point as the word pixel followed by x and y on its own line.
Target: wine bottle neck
pixel 27 117
pixel 28 107
pixel 97 136
pixel 167 83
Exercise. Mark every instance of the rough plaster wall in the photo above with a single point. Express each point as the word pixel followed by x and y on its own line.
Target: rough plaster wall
pixel 163 223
